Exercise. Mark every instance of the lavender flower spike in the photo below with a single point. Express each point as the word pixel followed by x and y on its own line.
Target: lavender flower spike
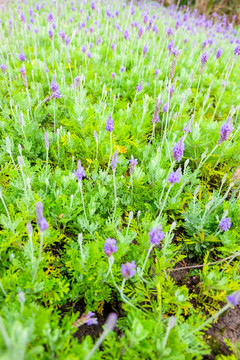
pixel 139 87
pixel 156 235
pixel 175 176
pixel 178 149
pixel 225 224
pixel 42 222
pixel 128 269
pixel 225 130
pixel 79 173
pixel 3 67
pixel 109 123
pixel 133 163
pixel 110 246
pixel 54 84
pixel 21 56
pixel 90 320
pixel 114 161
pixel 234 299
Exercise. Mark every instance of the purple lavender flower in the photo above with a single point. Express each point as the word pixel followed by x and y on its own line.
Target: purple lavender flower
pixel 89 320
pixel 93 5
pixel 169 32
pixel 3 67
pixel 128 269
pixel 84 49
pixel 89 55
pixel 109 123
pixel 54 84
pixel 110 246
pixel 175 51
pixel 225 130
pixel 79 173
pixel 156 72
pixel 50 33
pixel 178 149
pixel 122 69
pixel 22 70
pixel 156 235
pixel 114 161
pixel 237 50
pixel 21 56
pixel 204 57
pixel 22 17
pixel 187 129
pixel 145 49
pixel 50 17
pixel 171 90
pixel 113 75
pixel 62 34
pixel 165 108
pixel 42 222
pixel 171 46
pixel 113 46
pixel 77 81
pixel 139 87
pixel 98 42
pixel 133 163
pixel 126 34
pixel 204 44
pixel 218 53
pixel 67 40
pixel 234 298
pixel 175 176
pixel 225 224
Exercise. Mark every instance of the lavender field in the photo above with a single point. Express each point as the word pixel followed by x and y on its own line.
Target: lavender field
pixel 119 183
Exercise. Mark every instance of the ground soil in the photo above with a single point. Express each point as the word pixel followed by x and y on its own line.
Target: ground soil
pixel 226 327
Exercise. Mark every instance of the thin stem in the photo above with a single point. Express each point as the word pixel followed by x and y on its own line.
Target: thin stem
pixel 226 307
pixel 5 207
pixel 39 256
pixel 146 258
pixel 115 192
pixel 47 163
pixel 197 93
pixel 209 264
pixel 111 145
pixel 164 202
pixel 206 158
pixel 83 204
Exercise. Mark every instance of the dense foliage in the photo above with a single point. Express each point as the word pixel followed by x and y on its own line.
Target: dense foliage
pixel 119 165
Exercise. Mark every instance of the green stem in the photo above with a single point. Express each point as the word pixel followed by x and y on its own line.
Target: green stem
pixel 226 307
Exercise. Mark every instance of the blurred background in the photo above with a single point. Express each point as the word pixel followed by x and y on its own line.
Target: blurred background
pixel 209 7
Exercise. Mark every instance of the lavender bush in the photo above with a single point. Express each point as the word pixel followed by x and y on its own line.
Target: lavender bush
pixel 119 169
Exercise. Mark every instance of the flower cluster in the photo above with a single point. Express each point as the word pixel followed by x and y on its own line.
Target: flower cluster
pixel 110 246
pixel 133 163
pixel 79 173
pixel 225 224
pixel 128 269
pixel 225 130
pixel 42 222
pixel 175 176
pixel 178 149
pixel 156 235
pixel 109 123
